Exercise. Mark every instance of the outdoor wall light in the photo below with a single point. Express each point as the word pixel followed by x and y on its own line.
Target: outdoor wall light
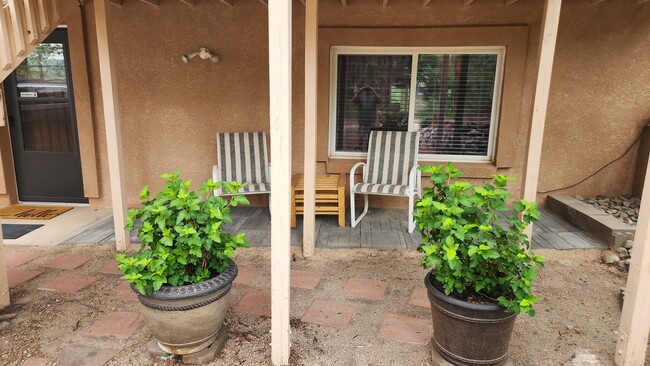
pixel 203 53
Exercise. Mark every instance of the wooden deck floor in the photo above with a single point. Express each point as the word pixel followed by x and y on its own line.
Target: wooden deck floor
pixel 381 229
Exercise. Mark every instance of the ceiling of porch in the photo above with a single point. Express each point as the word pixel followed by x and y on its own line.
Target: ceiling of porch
pixel 344 3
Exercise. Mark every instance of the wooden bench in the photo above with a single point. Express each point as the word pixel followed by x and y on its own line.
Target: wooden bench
pixel 330 196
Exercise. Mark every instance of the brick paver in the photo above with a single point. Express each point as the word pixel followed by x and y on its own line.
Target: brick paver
pixel 364 288
pixel 420 297
pixel 119 324
pixel 16 276
pixel 110 267
pixel 305 279
pixel 35 361
pixel 123 292
pixel 255 302
pixel 245 276
pixel 329 313
pixel 85 356
pixel 405 329
pixel 15 259
pixel 67 261
pixel 69 283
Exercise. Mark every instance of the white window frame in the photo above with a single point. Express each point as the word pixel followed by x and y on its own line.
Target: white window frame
pixel 500 51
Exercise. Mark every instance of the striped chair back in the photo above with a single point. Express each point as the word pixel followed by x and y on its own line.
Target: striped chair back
pixel 243 157
pixel 391 155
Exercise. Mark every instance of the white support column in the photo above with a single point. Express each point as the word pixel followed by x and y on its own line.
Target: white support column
pixel 280 116
pixel 112 123
pixel 635 318
pixel 547 51
pixel 311 90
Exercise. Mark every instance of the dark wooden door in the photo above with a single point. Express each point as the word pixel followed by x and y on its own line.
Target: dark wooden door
pixel 42 123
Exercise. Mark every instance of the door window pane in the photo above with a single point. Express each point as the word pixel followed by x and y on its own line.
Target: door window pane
pixel 42 74
pixel 46 126
pixel 372 93
pixel 453 103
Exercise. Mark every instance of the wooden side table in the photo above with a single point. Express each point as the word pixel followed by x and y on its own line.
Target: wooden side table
pixel 330 196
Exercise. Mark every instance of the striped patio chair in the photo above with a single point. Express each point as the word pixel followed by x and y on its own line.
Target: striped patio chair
pixel 242 157
pixel 391 170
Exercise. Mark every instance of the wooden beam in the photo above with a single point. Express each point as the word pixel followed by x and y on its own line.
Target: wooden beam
pixel 548 39
pixel 230 3
pixel 16 12
pixel 311 100
pixel 112 123
pixel 426 2
pixel 264 2
pixel 4 283
pixel 6 54
pixel 468 2
pixel 117 2
pixel 85 105
pixel 44 15
pixel 635 318
pixel 344 3
pixel 641 1
pixel 152 2
pixel 31 19
pixel 385 4
pixel 596 2
pixel 302 2
pixel 189 2
pixel 280 119
pixel 55 9
pixel 510 2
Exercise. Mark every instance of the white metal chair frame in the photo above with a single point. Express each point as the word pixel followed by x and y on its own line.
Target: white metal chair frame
pixel 414 188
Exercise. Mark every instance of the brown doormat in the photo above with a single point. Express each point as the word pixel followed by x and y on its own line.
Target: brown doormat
pixel 28 212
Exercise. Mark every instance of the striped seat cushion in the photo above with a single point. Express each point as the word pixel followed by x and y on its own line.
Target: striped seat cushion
pixel 390 189
pixel 256 187
pixel 243 158
pixel 391 155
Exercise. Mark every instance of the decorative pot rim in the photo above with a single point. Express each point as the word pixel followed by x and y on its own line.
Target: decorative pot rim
pixel 464 304
pixel 219 282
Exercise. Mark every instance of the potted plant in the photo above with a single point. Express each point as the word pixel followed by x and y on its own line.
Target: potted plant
pixel 482 270
pixel 183 270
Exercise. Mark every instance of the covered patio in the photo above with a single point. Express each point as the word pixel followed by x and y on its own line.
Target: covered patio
pixel 635 321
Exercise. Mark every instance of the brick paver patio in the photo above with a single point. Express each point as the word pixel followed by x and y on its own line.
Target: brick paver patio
pixel 119 324
pixel 420 297
pixel 405 329
pixel 16 259
pixel 67 261
pixel 329 313
pixel 16 276
pixel 363 288
pixel 255 302
pixel 69 283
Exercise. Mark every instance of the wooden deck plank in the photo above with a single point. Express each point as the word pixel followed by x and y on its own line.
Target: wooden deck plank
pixel 575 240
pixel 557 241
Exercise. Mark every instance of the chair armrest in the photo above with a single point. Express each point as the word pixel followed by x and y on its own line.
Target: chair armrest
pixel 414 179
pixel 352 172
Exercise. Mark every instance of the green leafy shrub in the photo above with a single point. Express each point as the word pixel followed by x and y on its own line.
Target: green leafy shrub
pixel 472 257
pixel 182 235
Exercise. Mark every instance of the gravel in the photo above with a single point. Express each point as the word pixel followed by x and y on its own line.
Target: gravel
pixel 625 207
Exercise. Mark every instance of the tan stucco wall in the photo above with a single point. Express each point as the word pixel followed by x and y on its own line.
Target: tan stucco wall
pixel 600 97
pixel 170 111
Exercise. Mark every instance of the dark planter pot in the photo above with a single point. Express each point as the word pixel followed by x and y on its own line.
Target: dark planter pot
pixel 466 333
pixel 186 319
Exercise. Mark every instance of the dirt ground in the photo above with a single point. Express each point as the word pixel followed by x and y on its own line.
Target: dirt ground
pixel 580 309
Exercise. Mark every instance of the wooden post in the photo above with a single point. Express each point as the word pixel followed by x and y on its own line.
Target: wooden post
pixel 112 124
pixel 547 51
pixel 635 318
pixel 311 90
pixel 280 119
pixel 4 284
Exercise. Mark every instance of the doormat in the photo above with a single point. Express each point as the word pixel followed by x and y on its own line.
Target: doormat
pixel 15 231
pixel 28 212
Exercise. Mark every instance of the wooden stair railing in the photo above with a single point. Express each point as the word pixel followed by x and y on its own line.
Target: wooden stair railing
pixel 24 24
